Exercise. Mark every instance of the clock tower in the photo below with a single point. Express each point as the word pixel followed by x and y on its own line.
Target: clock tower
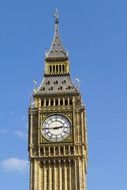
pixel 57 126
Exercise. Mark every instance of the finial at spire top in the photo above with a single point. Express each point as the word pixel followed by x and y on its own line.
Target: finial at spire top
pixel 56 15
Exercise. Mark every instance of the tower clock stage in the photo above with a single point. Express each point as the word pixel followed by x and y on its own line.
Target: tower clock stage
pixel 57 126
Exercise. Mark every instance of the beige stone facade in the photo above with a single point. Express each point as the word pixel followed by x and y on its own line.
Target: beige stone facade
pixel 57 165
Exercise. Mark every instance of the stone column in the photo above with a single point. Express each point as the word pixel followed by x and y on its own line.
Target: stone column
pixel 58 101
pixel 49 102
pixel 78 126
pixel 54 101
pixel 54 176
pixel 41 176
pixel 49 176
pixel 35 175
pixel 83 127
pixel 44 176
pixel 31 175
pixel 44 151
pixel 74 126
pixel 69 173
pixel 64 101
pixel 44 102
pixel 65 175
pixel 38 175
pixel 79 174
pixel 59 175
pixel 83 175
pixel 38 127
pixel 76 175
pixel 31 132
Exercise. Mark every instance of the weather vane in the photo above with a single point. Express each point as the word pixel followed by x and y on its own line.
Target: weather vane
pixel 56 15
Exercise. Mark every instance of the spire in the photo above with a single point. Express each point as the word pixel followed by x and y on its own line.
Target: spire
pixel 56 51
pixel 56 16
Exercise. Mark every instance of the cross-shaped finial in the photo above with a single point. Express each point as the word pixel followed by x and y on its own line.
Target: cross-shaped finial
pixel 56 15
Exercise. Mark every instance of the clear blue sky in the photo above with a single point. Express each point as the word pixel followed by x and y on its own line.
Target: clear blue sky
pixel 95 34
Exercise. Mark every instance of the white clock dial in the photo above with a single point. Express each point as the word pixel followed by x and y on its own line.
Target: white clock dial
pixel 56 128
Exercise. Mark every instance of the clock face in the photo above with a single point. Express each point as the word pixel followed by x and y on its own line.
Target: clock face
pixel 56 128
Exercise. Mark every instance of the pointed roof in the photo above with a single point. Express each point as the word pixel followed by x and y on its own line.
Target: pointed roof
pixel 52 85
pixel 56 51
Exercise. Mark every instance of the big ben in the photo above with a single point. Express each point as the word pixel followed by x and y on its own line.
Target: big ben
pixel 57 126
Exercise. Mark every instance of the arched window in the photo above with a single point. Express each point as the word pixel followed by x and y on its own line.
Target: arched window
pixel 56 68
pixel 72 150
pixel 42 103
pixel 56 102
pixel 51 102
pixel 63 69
pixel 50 69
pixel 60 68
pixel 53 68
pixel 51 150
pixel 47 102
pixel 66 102
pixel 61 150
pixel 61 102
pixel 70 101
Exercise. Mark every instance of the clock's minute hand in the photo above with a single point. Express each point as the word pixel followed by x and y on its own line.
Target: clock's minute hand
pixel 52 127
pixel 59 127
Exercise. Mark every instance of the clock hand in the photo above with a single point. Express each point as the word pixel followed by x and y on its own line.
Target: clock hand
pixel 59 127
pixel 52 127
pixel 45 128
